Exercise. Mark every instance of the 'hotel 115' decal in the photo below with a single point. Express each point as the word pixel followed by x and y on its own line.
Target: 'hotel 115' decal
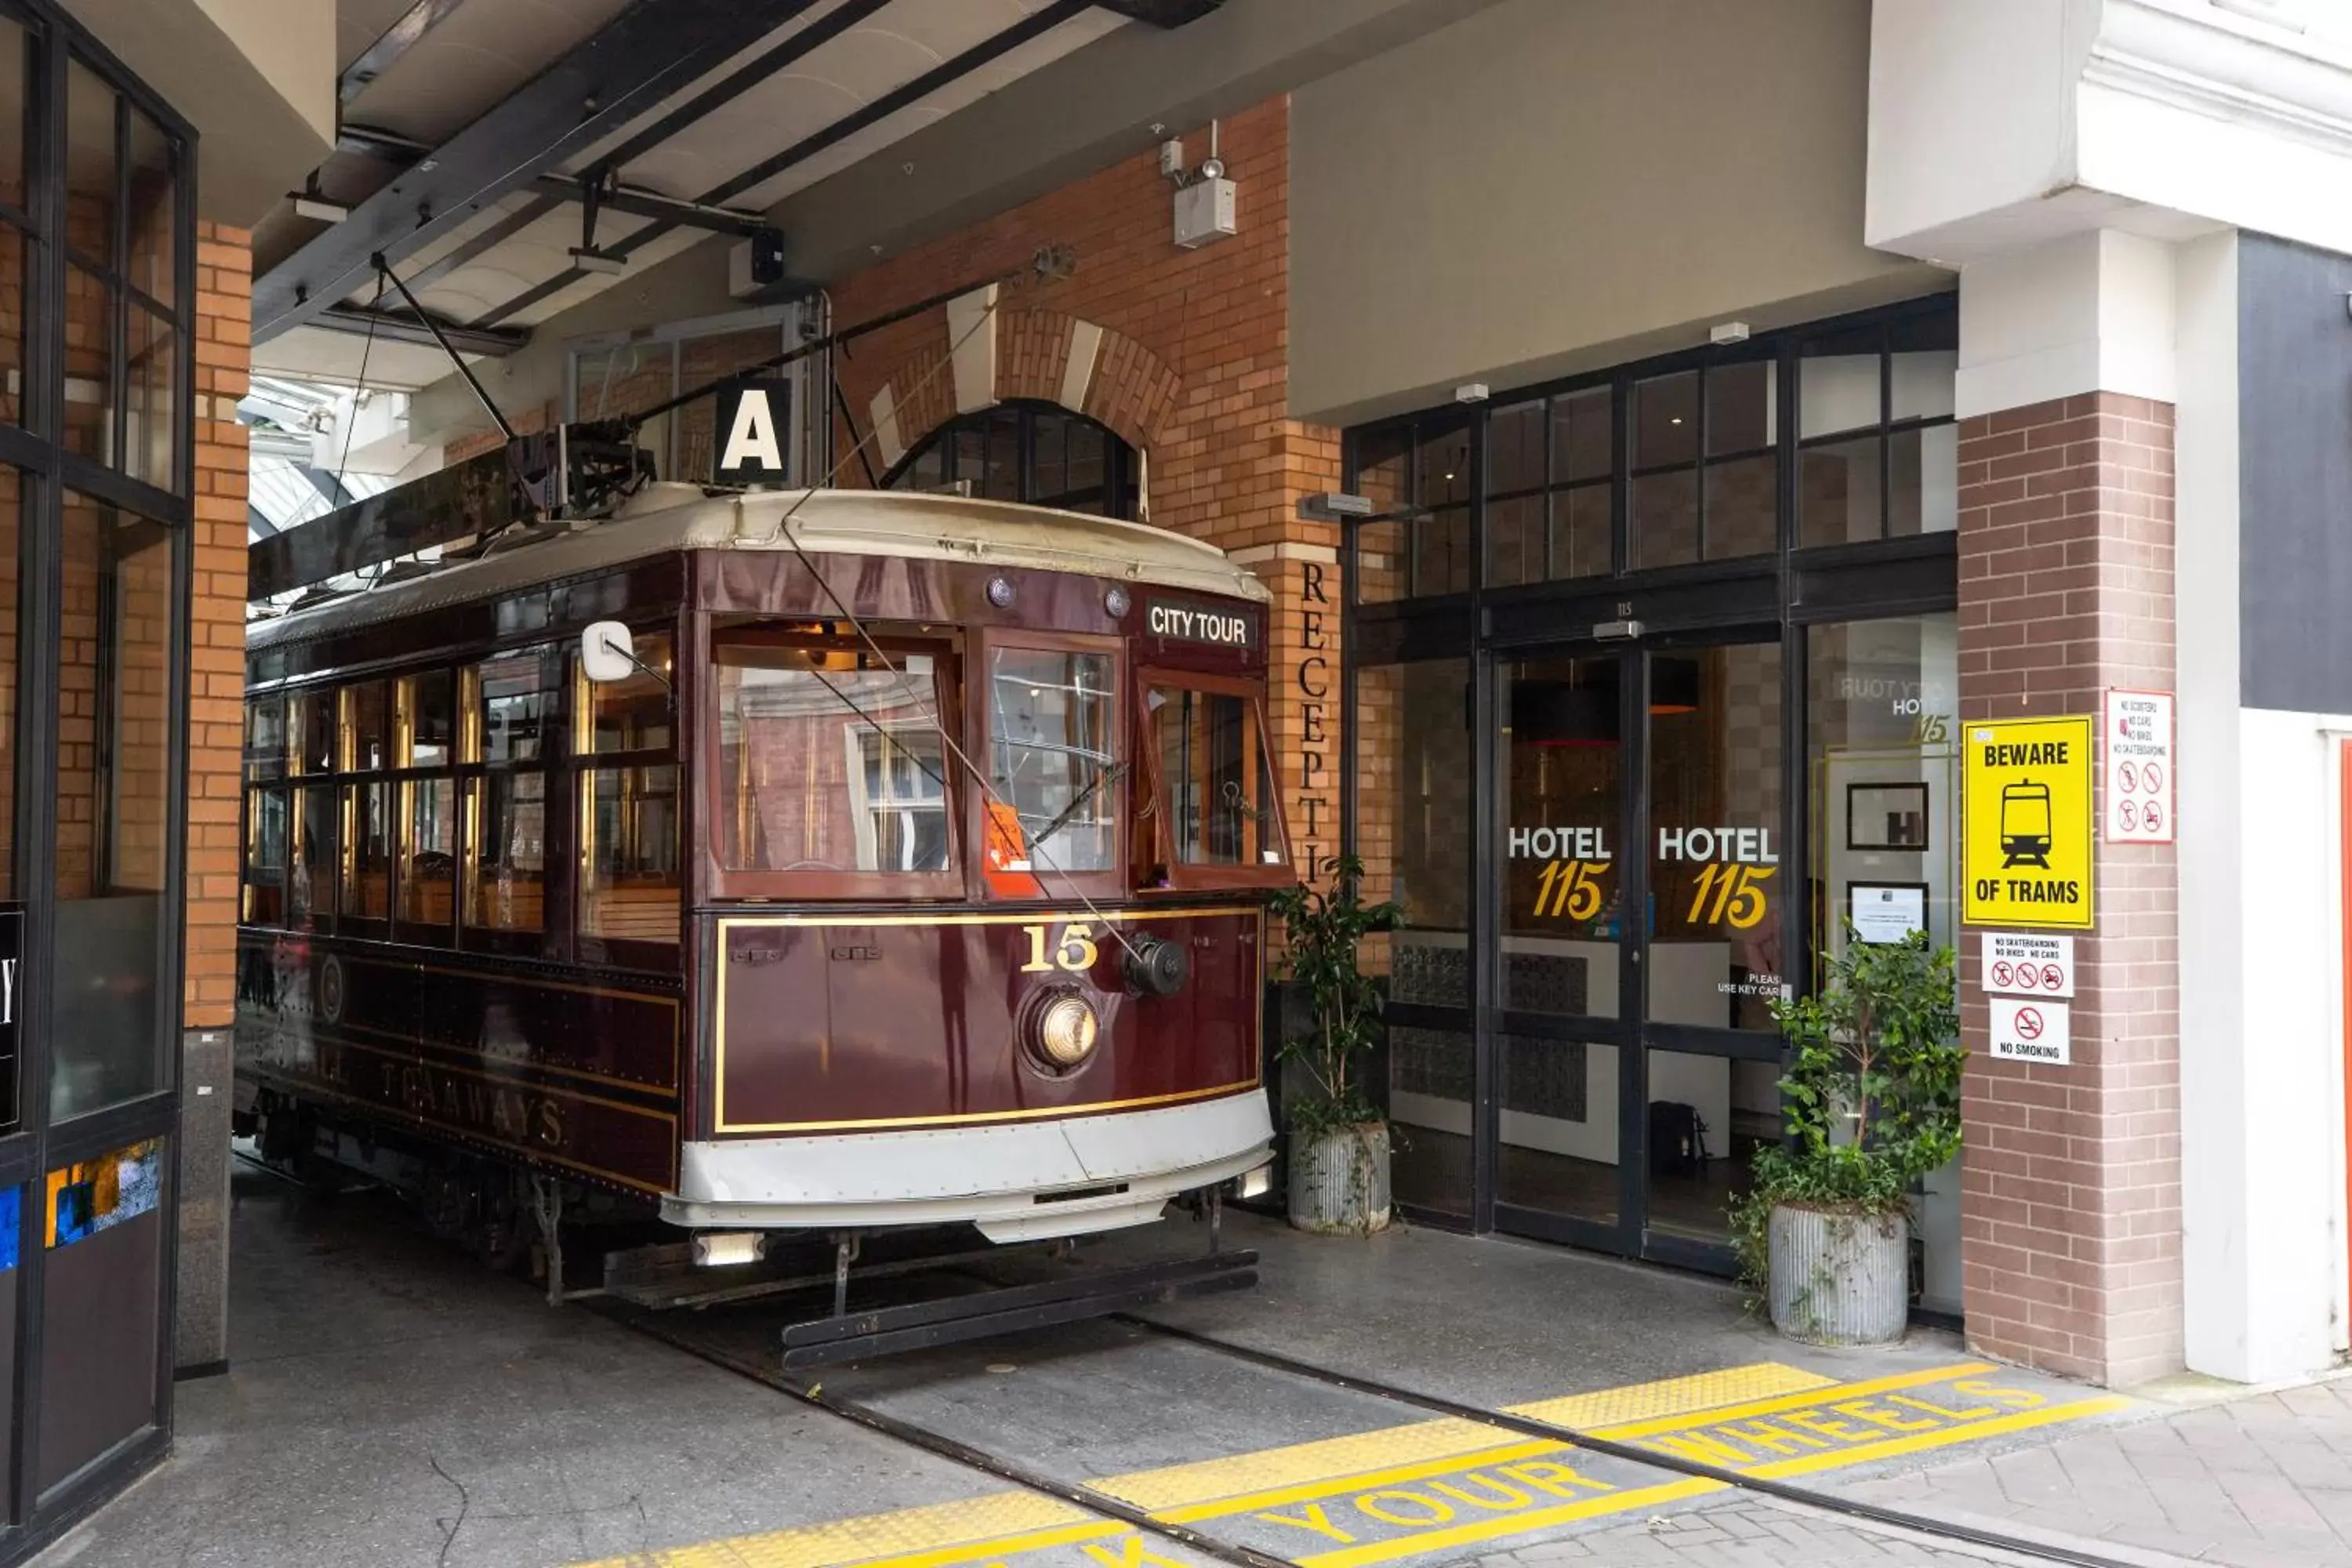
pixel 1737 865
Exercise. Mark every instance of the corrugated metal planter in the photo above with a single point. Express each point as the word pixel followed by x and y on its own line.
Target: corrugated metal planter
pixel 1339 1181
pixel 1840 1278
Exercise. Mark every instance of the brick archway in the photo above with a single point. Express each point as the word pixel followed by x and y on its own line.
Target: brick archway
pixel 1050 356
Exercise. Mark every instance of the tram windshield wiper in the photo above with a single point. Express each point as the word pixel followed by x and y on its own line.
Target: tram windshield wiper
pixel 1110 775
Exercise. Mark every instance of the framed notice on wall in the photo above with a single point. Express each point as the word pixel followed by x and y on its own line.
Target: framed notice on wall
pixel 1886 911
pixel 1887 815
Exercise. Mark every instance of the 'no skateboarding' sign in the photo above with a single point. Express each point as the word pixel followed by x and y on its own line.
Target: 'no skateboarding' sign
pixel 2025 800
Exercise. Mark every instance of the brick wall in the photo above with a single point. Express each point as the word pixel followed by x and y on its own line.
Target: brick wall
pixel 1190 366
pixel 216 640
pixel 2071 1224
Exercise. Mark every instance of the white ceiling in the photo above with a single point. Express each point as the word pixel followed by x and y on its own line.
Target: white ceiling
pixel 488 49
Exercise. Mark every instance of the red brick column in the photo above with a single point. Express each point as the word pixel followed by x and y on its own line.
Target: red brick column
pixel 2071 1192
pixel 216 640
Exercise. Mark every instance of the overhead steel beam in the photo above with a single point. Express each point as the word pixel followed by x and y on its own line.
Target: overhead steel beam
pixel 638 201
pixel 398 39
pixel 651 51
pixel 1036 25
pixel 405 327
pixel 1162 13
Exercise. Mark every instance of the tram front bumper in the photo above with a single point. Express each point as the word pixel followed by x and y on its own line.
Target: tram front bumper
pixel 1014 1181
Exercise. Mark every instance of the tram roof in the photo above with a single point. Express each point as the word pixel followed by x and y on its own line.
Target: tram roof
pixel 663 519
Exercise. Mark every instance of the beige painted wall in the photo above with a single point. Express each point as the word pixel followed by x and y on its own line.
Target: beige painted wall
pixel 257 78
pixel 1554 184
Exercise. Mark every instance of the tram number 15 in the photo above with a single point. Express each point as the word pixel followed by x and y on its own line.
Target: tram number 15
pixel 1730 895
pixel 1571 890
pixel 1076 952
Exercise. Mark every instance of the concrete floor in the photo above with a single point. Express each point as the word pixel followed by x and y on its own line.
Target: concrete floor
pixel 390 1402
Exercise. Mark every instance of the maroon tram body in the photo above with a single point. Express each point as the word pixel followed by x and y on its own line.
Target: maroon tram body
pixel 910 870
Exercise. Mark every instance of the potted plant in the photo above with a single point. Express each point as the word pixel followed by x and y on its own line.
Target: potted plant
pixel 1338 1142
pixel 1873 1102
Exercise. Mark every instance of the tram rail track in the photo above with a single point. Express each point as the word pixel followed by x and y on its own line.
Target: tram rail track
pixel 811 1391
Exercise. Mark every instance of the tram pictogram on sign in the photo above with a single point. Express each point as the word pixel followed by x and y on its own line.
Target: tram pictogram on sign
pixel 2026 823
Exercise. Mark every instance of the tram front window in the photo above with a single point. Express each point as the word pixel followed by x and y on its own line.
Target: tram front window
pixel 1215 776
pixel 830 762
pixel 1052 725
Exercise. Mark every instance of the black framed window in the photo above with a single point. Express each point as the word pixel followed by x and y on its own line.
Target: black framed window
pixel 97 480
pixel 1841 434
pixel 1039 454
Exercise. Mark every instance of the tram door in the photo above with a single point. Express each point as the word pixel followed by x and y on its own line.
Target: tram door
pixel 1642 904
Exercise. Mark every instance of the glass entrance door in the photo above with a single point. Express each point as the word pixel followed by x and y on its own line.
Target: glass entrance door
pixel 1644 928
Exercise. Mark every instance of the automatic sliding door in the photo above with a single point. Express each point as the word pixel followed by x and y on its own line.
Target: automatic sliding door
pixel 1715 961
pixel 1562 1027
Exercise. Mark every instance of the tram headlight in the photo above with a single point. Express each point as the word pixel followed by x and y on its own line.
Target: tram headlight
pixel 1065 1030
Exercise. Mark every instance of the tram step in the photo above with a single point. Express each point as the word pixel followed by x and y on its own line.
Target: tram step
pixel 1006 1309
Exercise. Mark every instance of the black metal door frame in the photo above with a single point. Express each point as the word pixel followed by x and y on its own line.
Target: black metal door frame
pixel 1632 1032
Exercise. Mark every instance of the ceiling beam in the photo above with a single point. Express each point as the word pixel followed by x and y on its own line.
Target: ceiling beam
pixel 398 39
pixel 638 201
pixel 402 326
pixel 1162 13
pixel 1036 25
pixel 647 54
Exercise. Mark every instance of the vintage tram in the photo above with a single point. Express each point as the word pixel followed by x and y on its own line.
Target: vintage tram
pixel 813 861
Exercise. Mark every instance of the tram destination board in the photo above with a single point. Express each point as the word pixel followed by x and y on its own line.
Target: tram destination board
pixel 2026 830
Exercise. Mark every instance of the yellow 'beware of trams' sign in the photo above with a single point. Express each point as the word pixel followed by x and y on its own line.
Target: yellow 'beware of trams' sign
pixel 2026 815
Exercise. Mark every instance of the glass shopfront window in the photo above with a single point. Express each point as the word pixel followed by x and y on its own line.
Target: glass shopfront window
pixel 1626 772
pixel 1882 740
pixel 1413 834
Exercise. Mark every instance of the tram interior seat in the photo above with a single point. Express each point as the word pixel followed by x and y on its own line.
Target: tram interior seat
pixel 633 911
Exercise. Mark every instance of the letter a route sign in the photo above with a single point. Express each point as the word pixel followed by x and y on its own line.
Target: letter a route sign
pixel 2026 823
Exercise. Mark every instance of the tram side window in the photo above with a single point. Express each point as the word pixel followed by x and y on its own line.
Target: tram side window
pixel 1052 728
pixel 830 762
pixel 633 874
pixel 428 876
pixel 1216 778
pixel 632 890
pixel 367 851
pixel 632 714
pixel 312 726
pixel 264 891
pixel 311 876
pixel 506 873
pixel 265 857
pixel 428 718
pixel 367 741
pixel 510 704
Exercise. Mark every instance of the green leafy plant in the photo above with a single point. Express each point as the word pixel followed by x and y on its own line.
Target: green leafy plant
pixel 1872 1094
pixel 1322 929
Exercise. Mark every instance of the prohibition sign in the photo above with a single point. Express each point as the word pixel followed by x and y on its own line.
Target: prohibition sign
pixel 2155 817
pixel 2154 781
pixel 2127 775
pixel 2130 814
pixel 2003 975
pixel 2029 1024
pixel 2052 977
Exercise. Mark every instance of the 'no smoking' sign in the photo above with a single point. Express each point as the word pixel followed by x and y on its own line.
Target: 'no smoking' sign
pixel 2027 1031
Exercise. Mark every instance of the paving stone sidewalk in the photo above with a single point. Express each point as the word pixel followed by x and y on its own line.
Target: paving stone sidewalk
pixel 2262 1480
